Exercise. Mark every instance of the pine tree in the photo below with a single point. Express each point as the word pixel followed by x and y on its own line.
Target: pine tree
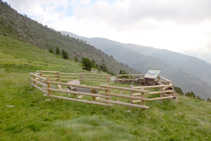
pixel 57 51
pixel 64 54
pixel 87 64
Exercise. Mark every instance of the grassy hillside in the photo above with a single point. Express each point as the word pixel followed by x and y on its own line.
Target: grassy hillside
pixel 15 25
pixel 26 115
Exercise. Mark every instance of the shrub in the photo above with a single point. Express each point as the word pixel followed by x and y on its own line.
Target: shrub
pixel 87 64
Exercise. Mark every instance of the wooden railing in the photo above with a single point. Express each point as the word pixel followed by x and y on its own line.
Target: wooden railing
pixel 59 76
pixel 106 95
pixel 50 88
pixel 128 77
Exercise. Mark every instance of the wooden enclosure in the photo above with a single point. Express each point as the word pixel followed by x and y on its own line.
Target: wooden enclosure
pixel 54 84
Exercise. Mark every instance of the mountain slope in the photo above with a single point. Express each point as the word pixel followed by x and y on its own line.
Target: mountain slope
pixel 189 73
pixel 25 114
pixel 21 27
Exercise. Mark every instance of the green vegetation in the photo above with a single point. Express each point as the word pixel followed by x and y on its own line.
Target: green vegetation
pixel 25 114
pixel 87 64
pixel 58 51
pixel 51 50
pixel 64 54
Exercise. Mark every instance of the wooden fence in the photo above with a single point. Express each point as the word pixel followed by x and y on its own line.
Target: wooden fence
pixel 128 78
pixel 56 75
pixel 105 94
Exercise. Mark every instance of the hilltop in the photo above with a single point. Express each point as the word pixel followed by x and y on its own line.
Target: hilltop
pixel 15 25
pixel 25 114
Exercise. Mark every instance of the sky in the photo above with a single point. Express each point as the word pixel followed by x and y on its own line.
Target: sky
pixel 182 26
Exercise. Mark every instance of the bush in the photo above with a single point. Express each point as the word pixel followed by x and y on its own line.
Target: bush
pixel 87 64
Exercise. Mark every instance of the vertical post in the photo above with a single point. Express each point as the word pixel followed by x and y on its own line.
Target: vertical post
pixel 59 75
pixel 40 72
pixel 49 86
pixel 82 76
pixel 108 79
pixel 35 83
pixel 161 95
pixel 143 101
pixel 107 91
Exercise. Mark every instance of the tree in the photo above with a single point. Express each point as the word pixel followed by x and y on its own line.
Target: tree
pixel 178 90
pixel 50 50
pixel 190 94
pixel 87 64
pixel 57 51
pixel 64 54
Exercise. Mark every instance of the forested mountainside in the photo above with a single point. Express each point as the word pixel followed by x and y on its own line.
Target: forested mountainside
pixel 15 25
pixel 186 72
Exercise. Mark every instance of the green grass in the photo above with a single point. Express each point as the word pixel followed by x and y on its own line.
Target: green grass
pixel 25 114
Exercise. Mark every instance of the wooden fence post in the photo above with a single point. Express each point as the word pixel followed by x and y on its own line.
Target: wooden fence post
pixel 108 78
pixel 49 86
pixel 59 75
pixel 40 72
pixel 107 91
pixel 131 101
pixel 35 83
pixel 143 101
pixel 82 77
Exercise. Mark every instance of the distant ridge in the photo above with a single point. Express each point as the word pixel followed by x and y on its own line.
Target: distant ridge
pixel 189 73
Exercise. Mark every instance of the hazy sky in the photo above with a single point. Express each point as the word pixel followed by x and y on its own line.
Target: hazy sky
pixel 178 25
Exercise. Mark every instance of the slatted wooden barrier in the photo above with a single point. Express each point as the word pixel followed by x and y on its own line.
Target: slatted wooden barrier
pixel 128 78
pixel 59 76
pixel 106 95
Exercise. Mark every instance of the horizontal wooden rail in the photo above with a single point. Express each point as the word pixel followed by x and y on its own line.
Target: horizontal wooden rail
pixel 95 74
pixel 127 79
pixel 160 98
pixel 49 75
pixel 96 77
pixel 39 88
pixel 38 76
pixel 164 78
pixel 123 88
pixel 124 96
pixel 119 75
pixel 126 104
pixel 149 87
pixel 43 84
pixel 69 76
pixel 50 71
pixel 78 93
pixel 74 85
pixel 95 80
pixel 70 73
pixel 161 92
pixel 79 100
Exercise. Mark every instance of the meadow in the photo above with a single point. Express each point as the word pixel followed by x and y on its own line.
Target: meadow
pixel 25 114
